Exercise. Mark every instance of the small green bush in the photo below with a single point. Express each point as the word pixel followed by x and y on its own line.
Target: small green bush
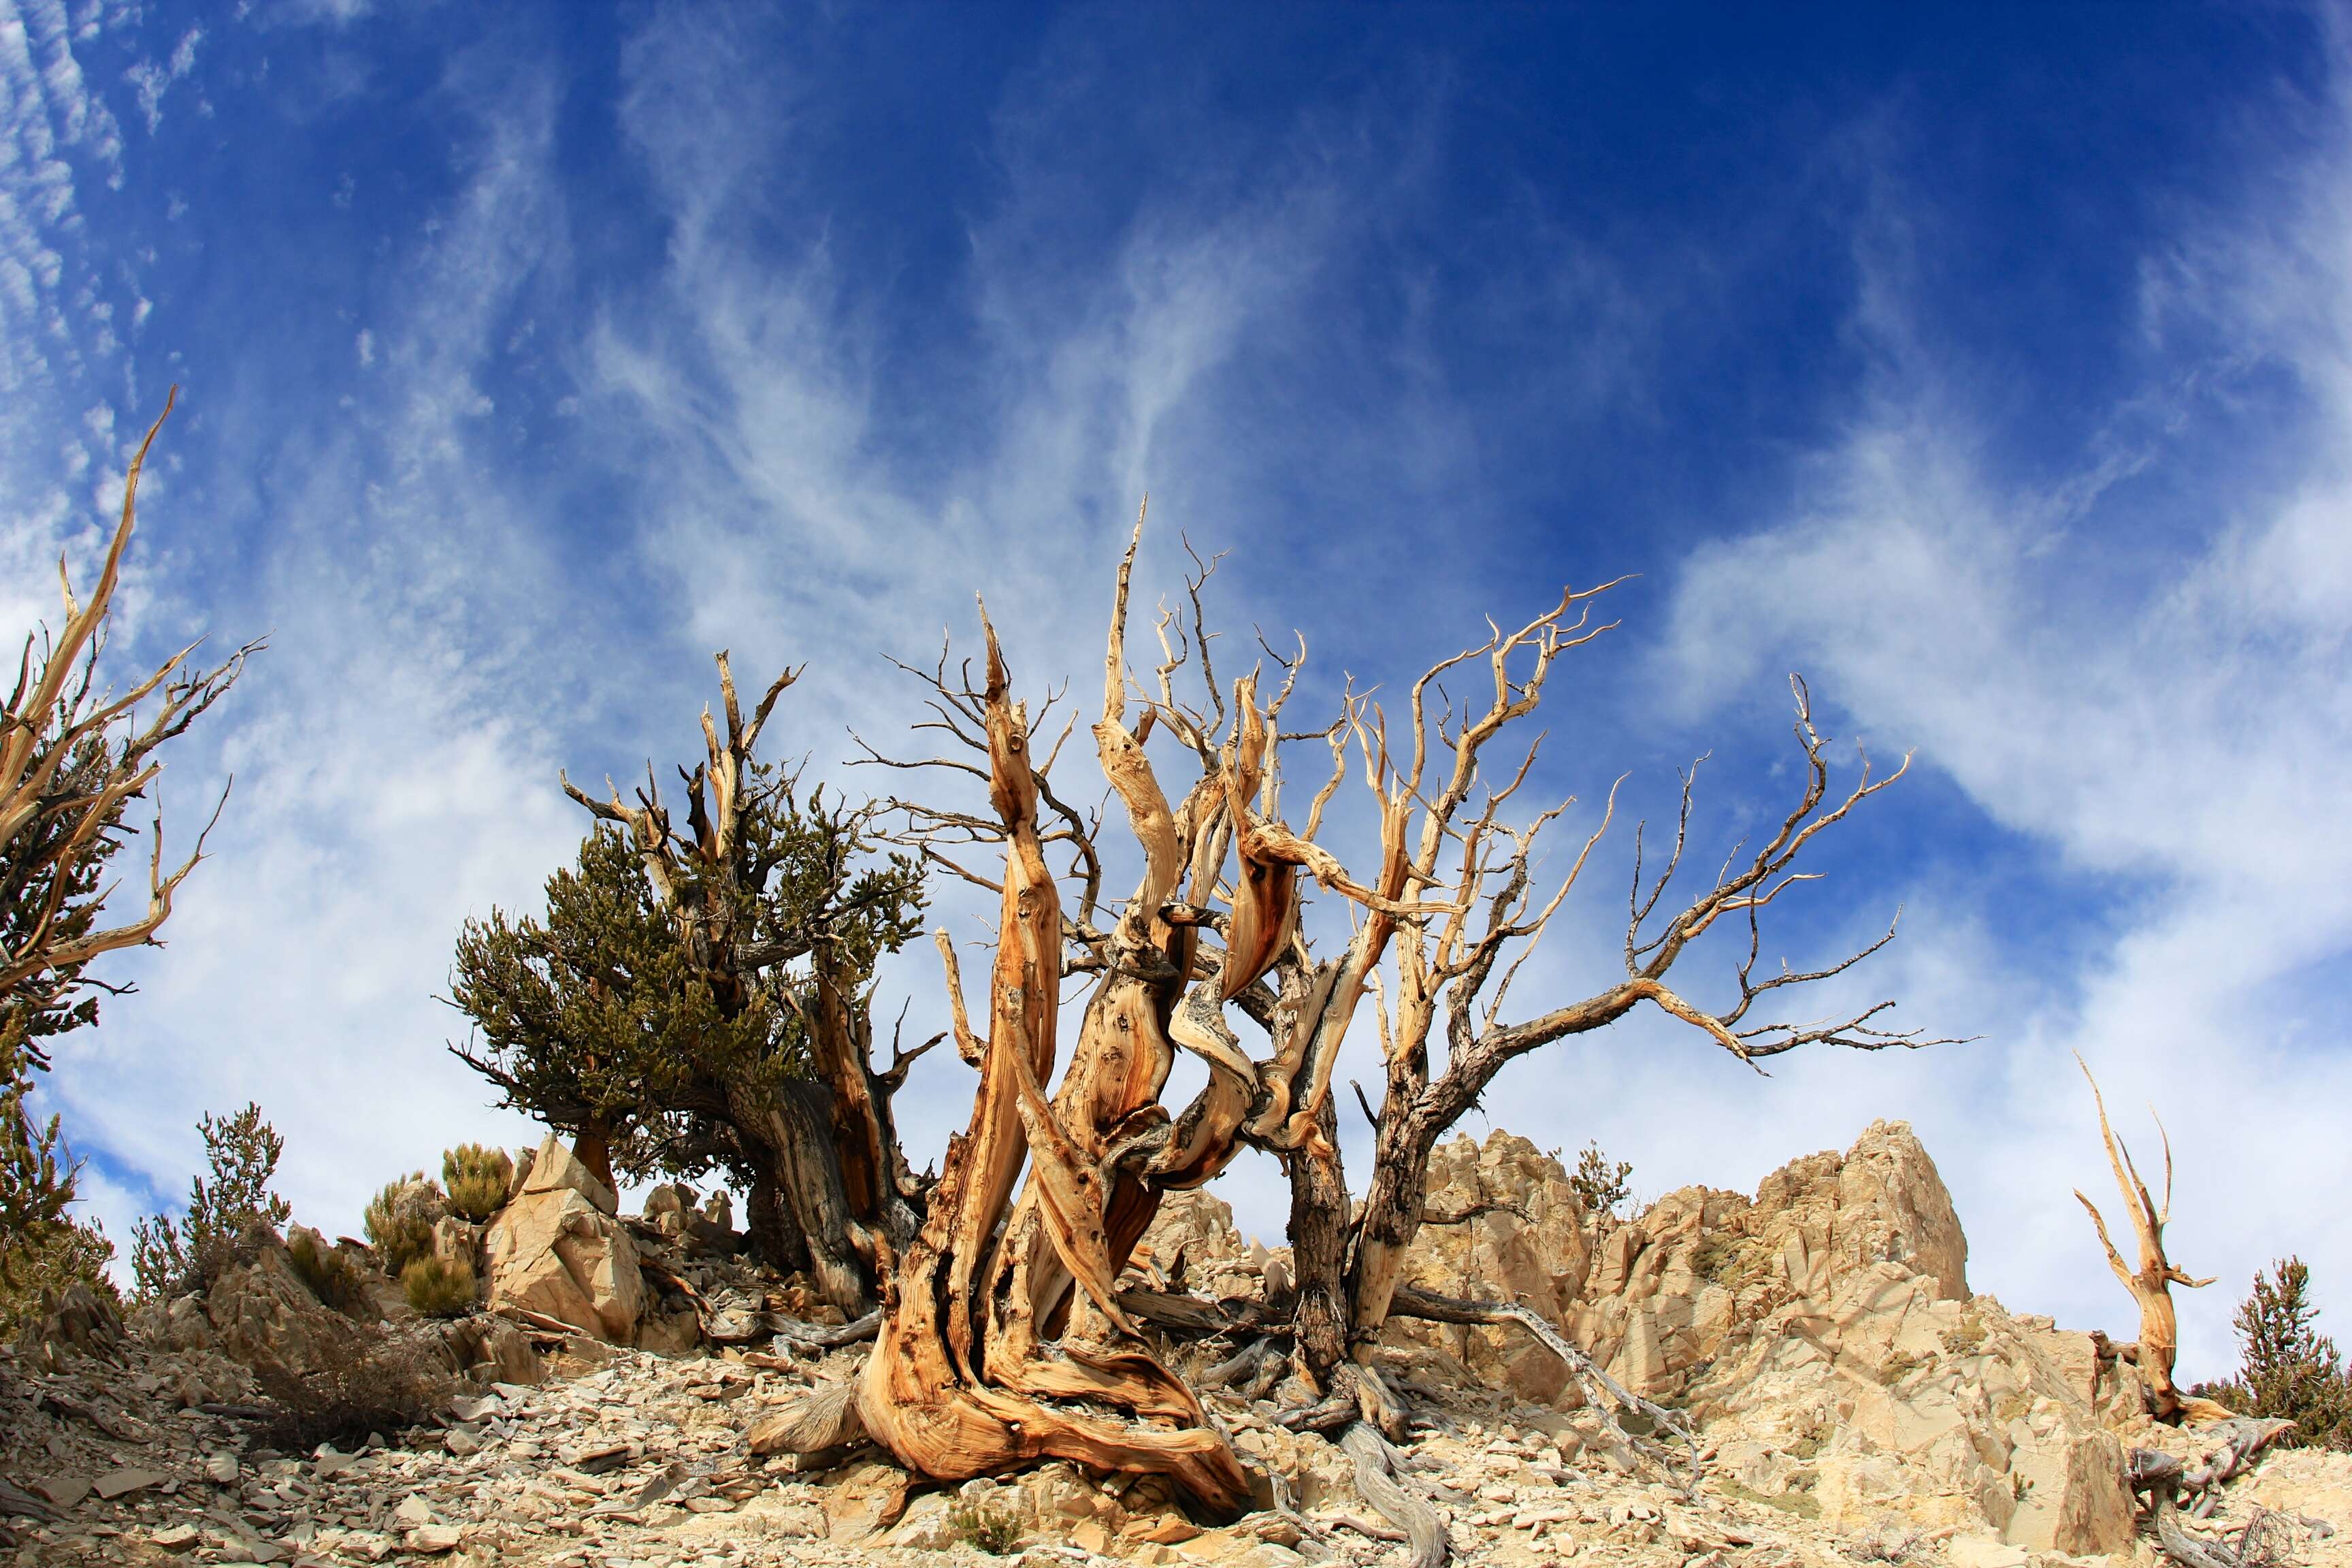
pixel 477 1180
pixel 1600 1185
pixel 438 1288
pixel 992 1529
pixel 331 1274
pixel 400 1221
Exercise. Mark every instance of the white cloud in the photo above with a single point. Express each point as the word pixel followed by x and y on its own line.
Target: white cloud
pixel 2185 728
pixel 392 752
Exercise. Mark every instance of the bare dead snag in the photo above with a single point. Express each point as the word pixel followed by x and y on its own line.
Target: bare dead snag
pixel 2151 1284
pixel 988 1327
pixel 72 758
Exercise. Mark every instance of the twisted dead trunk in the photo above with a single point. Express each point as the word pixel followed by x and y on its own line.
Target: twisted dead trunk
pixel 959 1384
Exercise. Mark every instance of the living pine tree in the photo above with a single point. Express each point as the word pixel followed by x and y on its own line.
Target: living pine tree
pixel 2288 1368
pixel 700 1000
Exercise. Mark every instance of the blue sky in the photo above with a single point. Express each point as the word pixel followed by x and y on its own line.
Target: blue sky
pixel 1993 371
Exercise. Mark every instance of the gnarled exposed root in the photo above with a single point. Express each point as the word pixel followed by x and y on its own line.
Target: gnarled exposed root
pixel 1375 1482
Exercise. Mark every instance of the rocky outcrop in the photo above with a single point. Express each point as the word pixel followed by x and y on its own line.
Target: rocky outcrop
pixel 262 1313
pixel 1823 1329
pixel 79 1322
pixel 554 1253
pixel 1858 1405
pixel 1655 1297
pixel 1501 1222
pixel 553 1168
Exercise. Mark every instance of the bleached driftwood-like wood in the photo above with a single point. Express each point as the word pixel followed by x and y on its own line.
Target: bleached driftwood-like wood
pixel 2150 1284
pixel 1412 1302
pixel 1376 1483
pixel 826 1418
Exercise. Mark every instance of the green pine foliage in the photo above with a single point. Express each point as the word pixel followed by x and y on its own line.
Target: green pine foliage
pixel 229 1215
pixel 60 1256
pixel 36 1183
pixel 476 1179
pixel 602 1018
pixel 2288 1367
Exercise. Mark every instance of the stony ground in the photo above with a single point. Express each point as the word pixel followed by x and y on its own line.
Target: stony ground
pixel 1860 1405
pixel 643 1460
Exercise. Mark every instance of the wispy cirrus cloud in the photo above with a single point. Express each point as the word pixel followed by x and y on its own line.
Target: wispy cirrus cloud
pixel 2137 665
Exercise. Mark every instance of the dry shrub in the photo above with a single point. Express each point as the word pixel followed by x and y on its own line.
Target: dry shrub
pixel 330 1273
pixel 993 1529
pixel 438 1286
pixel 477 1180
pixel 387 1384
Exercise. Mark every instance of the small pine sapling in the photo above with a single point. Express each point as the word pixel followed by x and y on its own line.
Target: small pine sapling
pixel 229 1218
pixel 2289 1367
pixel 1598 1185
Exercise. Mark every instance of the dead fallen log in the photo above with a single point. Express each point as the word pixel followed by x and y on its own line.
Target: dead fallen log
pixel 2241 1439
pixel 2167 1479
pixel 1241 1367
pixel 1327 1416
pixel 826 1336
pixel 1191 1314
pixel 1412 1302
pixel 2264 1541
pixel 542 1323
pixel 1363 1527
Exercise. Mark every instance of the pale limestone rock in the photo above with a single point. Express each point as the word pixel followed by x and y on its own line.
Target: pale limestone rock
pixel 1977 1551
pixel 1521 1237
pixel 523 1160
pixel 927 1525
pixel 1193 1243
pixel 263 1314
pixel 551 1251
pixel 457 1240
pixel 666 1206
pixel 432 1539
pixel 554 1168
pixel 2074 1497
pixel 864 1500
